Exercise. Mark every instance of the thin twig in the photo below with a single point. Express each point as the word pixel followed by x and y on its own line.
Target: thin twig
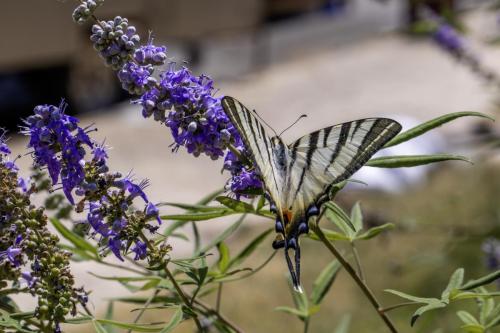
pixel 358 261
pixel 362 285
pixel 219 316
pixel 219 296
pixel 146 305
pixel 183 297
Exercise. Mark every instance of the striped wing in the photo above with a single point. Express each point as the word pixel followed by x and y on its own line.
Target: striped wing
pixel 258 143
pixel 331 155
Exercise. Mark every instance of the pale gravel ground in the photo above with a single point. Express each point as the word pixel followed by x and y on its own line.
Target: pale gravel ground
pixel 389 76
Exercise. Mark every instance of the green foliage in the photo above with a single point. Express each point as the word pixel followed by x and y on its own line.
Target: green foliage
pixel 456 290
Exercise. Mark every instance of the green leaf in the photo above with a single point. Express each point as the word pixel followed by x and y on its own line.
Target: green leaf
pixel 225 234
pixel 473 328
pixel 130 326
pixel 481 281
pixel 249 249
pixel 470 294
pixel 337 215
pixel 223 263
pixel 174 321
pixel 236 205
pixel 343 326
pixel 301 314
pixel 330 235
pixel 357 217
pixel 109 316
pixel 98 327
pixel 79 320
pixel 429 125
pixel 375 231
pixel 76 240
pixel 410 297
pixel 435 304
pixel 261 203
pixel 193 208
pixel 456 280
pixel 324 281
pixel 467 318
pixel 202 216
pixel 406 161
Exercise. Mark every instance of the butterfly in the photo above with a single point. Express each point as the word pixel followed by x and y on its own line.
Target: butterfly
pixel 299 177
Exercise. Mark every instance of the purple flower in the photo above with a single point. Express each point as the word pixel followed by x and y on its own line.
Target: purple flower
pixel 59 144
pixel 136 79
pixel 12 253
pixel 24 183
pixel 133 189
pixel 140 250
pixel 491 249
pixel 29 279
pixel 115 245
pixel 151 55
pixel 115 40
pixel 449 38
pixel 152 211
pixel 4 149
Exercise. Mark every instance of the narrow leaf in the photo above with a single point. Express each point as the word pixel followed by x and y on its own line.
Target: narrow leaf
pixel 202 216
pixel 406 161
pixel 236 205
pixel 437 304
pixel 456 280
pixel 375 231
pixel 249 249
pixel 330 235
pixel 337 215
pixel 174 321
pixel 481 281
pixel 324 281
pixel 130 326
pixel 473 328
pixel 343 326
pixel 225 234
pixel 223 262
pixel 295 312
pixel 357 217
pixel 98 327
pixel 467 318
pixel 76 240
pixel 410 297
pixel 431 124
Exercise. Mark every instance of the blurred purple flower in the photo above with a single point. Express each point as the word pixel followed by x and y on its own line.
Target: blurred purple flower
pixel 449 38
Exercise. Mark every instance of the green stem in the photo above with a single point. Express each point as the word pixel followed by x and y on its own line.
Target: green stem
pixel 183 297
pixel 219 297
pixel 219 316
pixel 358 261
pixel 361 284
pixel 306 325
pixel 146 305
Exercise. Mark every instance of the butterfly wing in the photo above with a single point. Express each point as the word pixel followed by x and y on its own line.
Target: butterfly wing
pixel 259 144
pixel 331 155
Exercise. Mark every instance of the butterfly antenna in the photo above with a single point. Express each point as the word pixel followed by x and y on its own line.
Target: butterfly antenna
pixel 265 123
pixel 296 121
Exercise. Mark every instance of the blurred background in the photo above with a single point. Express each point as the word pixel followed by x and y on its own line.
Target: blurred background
pixel 334 60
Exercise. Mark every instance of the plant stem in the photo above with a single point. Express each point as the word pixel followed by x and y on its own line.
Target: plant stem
pixel 146 305
pixel 219 297
pixel 358 261
pixel 362 285
pixel 182 296
pixel 219 316
pixel 306 325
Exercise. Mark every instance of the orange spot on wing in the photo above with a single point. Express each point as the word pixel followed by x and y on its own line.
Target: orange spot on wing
pixel 288 216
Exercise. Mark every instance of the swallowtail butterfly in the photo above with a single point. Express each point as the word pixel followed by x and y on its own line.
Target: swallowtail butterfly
pixel 298 177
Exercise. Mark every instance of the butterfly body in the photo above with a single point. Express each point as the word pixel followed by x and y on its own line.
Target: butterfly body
pixel 298 177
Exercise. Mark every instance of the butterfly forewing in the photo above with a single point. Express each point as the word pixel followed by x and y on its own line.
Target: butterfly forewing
pixel 258 143
pixel 331 155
